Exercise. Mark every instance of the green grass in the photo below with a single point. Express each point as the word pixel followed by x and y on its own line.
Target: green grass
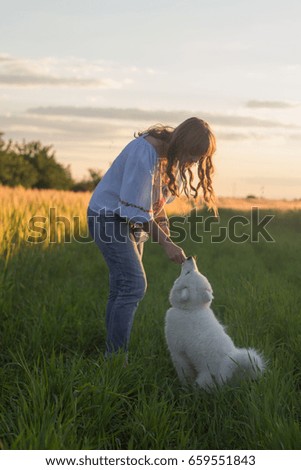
pixel 58 392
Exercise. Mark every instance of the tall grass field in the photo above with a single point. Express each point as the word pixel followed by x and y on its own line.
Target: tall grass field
pixel 56 389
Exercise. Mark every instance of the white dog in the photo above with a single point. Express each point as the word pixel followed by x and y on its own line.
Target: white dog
pixel 200 349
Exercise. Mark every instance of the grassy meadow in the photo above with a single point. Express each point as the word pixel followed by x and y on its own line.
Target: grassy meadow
pixel 58 392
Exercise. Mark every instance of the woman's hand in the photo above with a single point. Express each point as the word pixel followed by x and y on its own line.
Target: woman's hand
pixel 174 252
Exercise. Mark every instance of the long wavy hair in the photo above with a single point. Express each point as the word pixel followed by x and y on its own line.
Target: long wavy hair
pixel 192 138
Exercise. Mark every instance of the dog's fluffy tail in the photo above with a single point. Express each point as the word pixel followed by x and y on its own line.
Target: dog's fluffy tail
pixel 243 363
pixel 249 362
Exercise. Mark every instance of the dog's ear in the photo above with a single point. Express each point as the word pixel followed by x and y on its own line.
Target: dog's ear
pixel 184 294
pixel 207 296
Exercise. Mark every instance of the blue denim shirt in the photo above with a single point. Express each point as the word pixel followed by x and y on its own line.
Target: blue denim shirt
pixel 132 186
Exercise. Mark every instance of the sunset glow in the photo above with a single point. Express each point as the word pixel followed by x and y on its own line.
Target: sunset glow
pixel 86 76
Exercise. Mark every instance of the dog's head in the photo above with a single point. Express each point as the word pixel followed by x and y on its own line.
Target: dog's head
pixel 191 289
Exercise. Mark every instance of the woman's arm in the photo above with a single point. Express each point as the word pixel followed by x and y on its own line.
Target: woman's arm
pixel 163 222
pixel 161 214
pixel 173 251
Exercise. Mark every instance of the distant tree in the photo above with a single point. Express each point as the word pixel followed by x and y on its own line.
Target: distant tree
pixel 90 183
pixel 250 196
pixel 3 146
pixel 33 165
pixel 51 174
pixel 14 170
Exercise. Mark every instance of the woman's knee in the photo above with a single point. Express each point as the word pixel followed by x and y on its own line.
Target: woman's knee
pixel 130 287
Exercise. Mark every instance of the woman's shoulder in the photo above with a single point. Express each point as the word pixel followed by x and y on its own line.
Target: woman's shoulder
pixel 141 151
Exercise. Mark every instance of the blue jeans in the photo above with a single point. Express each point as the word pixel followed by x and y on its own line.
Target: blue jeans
pixel 127 279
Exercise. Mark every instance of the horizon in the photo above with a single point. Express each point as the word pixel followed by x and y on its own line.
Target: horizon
pixel 84 78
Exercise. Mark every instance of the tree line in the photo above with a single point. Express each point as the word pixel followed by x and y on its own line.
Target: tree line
pixel 33 165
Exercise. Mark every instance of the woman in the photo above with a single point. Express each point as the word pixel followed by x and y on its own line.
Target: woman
pixel 128 203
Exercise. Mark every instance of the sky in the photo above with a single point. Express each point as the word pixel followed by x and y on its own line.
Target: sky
pixel 84 76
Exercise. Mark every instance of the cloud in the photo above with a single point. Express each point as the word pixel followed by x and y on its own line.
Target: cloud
pixel 155 116
pixel 295 136
pixel 5 58
pixel 127 114
pixel 61 129
pixel 59 73
pixel 48 81
pixel 271 104
pixel 81 127
pixel 238 136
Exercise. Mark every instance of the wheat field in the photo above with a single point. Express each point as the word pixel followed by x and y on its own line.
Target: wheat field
pixel 20 205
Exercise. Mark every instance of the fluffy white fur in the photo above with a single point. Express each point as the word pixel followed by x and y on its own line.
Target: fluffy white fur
pixel 200 349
